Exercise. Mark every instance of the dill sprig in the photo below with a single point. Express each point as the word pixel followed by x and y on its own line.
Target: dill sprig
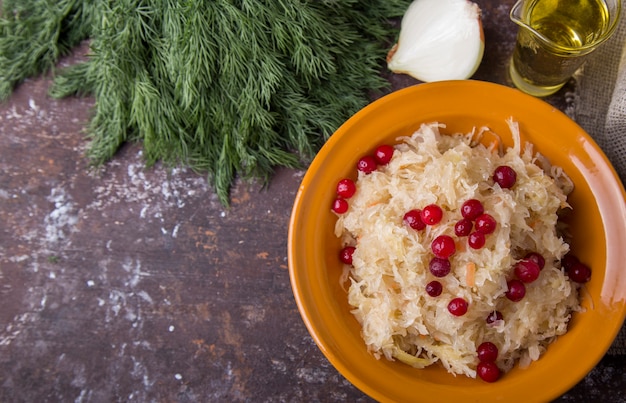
pixel 227 87
pixel 35 33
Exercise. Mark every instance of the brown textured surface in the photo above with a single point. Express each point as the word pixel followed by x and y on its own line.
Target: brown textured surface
pixel 134 284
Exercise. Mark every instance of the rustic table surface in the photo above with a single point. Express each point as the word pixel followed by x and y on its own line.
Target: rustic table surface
pixel 135 284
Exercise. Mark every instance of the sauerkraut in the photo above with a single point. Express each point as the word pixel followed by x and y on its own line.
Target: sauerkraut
pixel 387 278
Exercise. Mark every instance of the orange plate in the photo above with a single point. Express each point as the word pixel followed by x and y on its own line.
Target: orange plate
pixel 598 226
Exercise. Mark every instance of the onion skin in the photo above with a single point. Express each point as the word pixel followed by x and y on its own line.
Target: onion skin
pixel 439 40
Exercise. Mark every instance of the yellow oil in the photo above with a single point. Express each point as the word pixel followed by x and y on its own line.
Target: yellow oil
pixel 569 23
pixel 561 33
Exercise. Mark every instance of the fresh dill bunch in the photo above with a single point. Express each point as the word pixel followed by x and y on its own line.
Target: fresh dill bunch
pixel 35 33
pixel 230 88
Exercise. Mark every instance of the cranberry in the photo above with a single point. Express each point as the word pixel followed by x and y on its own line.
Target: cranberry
pixel 537 258
pixel 345 254
pixel 463 227
pixel 526 270
pixel 434 288
pixel 439 267
pixel 487 352
pixel 471 209
pixel 505 176
pixel 346 188
pixel 367 164
pixel 494 316
pixel 476 240
pixel 432 214
pixel 458 307
pixel 340 206
pixel 485 223
pixel 443 246
pixel 579 272
pixel 383 154
pixel 488 371
pixel 414 220
pixel 568 261
pixel 516 290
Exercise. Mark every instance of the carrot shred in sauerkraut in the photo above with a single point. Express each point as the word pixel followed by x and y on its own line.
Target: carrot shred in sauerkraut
pixel 470 271
pixel 390 264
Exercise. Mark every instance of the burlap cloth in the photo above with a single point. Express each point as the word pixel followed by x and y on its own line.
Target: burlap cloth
pixel 600 109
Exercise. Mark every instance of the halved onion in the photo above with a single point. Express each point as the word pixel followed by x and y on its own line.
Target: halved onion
pixel 439 40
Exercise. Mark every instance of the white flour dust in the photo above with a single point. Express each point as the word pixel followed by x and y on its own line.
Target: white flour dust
pixel 148 192
pixel 62 219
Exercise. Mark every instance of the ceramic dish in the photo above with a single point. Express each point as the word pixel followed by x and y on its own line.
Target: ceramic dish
pixel 598 226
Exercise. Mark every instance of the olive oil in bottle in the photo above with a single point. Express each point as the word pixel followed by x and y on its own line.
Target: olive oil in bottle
pixel 553 38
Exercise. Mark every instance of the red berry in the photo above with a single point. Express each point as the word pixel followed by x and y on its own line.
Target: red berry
pixel 434 288
pixel 367 164
pixel 463 227
pixel 345 254
pixel 439 267
pixel 516 290
pixel 471 209
pixel 443 246
pixel 568 261
pixel 340 206
pixel 487 352
pixel 505 176
pixel 526 270
pixel 537 258
pixel 414 220
pixel 458 307
pixel 432 214
pixel 476 240
pixel 383 154
pixel 488 371
pixel 485 223
pixel 579 272
pixel 494 316
pixel 346 188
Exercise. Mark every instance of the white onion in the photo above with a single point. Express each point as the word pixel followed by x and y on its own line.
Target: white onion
pixel 439 40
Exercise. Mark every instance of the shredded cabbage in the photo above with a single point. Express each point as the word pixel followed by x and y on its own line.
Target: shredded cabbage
pixel 387 279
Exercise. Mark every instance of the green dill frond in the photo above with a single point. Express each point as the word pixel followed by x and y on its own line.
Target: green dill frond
pixel 76 79
pixel 230 88
pixel 35 33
